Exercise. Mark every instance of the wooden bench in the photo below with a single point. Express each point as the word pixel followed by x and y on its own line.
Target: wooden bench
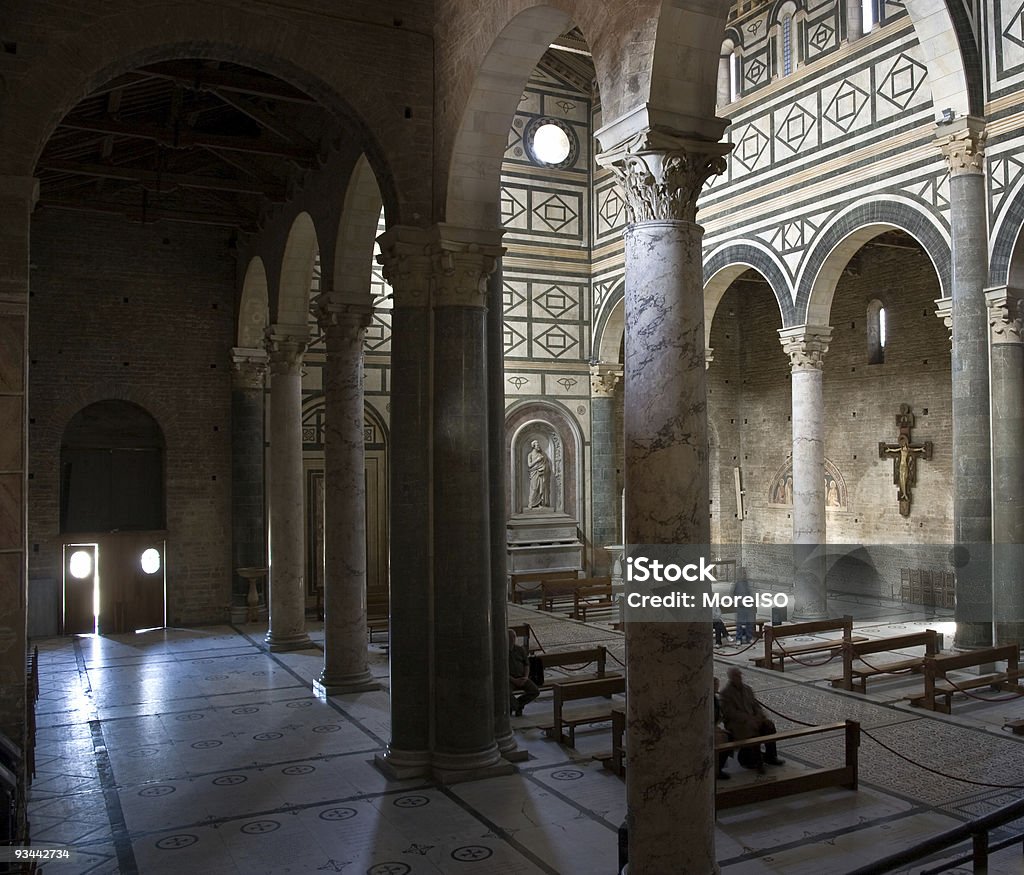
pixel 856 679
pixel 593 597
pixel 937 685
pixel 730 627
pixel 563 720
pixel 564 592
pixel 376 618
pixel 579 658
pixel 616 761
pixel 773 635
pixel 1015 726
pixel 527 583
pixel 729 796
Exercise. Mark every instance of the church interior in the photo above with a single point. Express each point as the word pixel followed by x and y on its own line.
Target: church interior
pixel 339 340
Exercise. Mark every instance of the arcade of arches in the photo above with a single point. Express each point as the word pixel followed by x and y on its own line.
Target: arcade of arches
pixel 350 315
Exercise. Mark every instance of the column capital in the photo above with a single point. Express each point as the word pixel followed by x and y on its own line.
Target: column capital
pixel 1005 314
pixel 963 145
pixel 463 260
pixel 406 264
pixel 248 367
pixel 944 311
pixel 344 311
pixel 604 377
pixel 286 344
pixel 806 346
pixel 662 172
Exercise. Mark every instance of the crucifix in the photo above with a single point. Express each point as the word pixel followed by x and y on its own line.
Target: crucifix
pixel 904 453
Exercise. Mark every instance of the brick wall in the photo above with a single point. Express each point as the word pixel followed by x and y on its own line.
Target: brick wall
pixel 141 313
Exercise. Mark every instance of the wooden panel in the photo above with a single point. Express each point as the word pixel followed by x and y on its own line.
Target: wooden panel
pixel 78 594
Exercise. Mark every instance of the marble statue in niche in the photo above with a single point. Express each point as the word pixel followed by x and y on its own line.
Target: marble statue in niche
pixel 540 470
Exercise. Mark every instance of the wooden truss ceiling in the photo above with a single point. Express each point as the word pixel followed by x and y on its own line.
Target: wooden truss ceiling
pixel 192 141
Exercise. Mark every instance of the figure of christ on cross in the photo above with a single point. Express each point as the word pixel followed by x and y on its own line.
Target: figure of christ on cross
pixel 904 453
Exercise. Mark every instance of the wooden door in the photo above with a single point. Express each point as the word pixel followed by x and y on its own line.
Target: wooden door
pixel 132 582
pixel 80 571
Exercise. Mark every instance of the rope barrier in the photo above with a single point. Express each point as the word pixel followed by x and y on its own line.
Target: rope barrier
pixel 719 649
pixel 799 661
pixel 971 695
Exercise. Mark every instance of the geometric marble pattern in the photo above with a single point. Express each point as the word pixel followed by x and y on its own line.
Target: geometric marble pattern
pixel 902 82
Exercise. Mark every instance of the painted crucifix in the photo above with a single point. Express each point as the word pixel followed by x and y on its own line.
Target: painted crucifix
pixel 904 453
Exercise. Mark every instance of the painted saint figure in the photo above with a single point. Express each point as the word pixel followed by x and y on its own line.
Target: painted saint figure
pixel 537 464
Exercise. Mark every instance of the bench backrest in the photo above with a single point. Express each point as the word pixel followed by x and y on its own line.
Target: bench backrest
pixel 843 624
pixel 519 577
pixel 563 658
pixel 587 690
pixel 927 639
pixel 562 586
pixel 941 664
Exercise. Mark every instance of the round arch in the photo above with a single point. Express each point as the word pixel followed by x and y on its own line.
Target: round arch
pixel 726 264
pixel 1006 266
pixel 254 305
pixel 611 326
pixel 305 58
pixel 848 233
pixel 357 231
pixel 951 55
pixel 297 265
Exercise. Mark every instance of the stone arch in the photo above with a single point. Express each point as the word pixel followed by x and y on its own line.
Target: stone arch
pixel 1006 266
pixel 296 273
pixel 951 55
pixel 357 231
pixel 849 232
pixel 611 326
pixel 83 58
pixel 727 263
pixel 254 306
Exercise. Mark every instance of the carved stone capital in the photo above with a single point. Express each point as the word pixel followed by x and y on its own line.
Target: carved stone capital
pixel 944 310
pixel 662 173
pixel 603 379
pixel 963 144
pixel 406 264
pixel 1005 315
pixel 248 368
pixel 463 260
pixel 342 316
pixel 286 344
pixel 806 346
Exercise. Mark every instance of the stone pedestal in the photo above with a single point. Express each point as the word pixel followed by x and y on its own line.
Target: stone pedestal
pixel 287 600
pixel 542 539
pixel 343 319
pixel 669 669
pixel 962 144
pixel 806 347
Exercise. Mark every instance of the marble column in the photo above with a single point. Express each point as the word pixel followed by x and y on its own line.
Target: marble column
pixel 604 492
pixel 17 198
pixel 855 19
pixel 806 346
pixel 248 522
pixel 287 602
pixel 962 143
pixel 1006 314
pixel 343 318
pixel 669 665
pixel 496 475
pixel 463 671
pixel 406 264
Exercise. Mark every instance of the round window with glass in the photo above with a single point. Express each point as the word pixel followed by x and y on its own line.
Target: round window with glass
pixel 551 142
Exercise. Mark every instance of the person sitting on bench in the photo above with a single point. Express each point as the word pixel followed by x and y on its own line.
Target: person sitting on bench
pixel 519 676
pixel 721 737
pixel 744 718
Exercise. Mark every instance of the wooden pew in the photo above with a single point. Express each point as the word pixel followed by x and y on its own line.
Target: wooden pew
pixel 564 592
pixel 616 762
pixel 376 618
pixel 601 712
pixel 774 635
pixel 937 686
pixel 729 796
pixel 856 679
pixel 577 658
pixel 593 597
pixel 527 583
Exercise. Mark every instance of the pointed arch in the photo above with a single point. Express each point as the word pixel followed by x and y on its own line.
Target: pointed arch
pixel 357 231
pixel 254 307
pixel 297 264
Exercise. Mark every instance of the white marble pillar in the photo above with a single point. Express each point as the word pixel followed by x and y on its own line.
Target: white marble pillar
pixel 670 782
pixel 343 319
pixel 1006 314
pixel 806 346
pixel 962 143
pixel 406 264
pixel 286 345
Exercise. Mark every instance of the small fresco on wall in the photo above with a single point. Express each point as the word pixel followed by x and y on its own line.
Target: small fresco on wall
pixel 780 488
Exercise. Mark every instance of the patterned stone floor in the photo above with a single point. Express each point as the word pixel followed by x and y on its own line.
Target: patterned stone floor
pixel 195 751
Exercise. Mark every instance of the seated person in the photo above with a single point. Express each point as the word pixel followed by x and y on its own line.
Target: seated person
pixel 519 676
pixel 744 718
pixel 721 736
